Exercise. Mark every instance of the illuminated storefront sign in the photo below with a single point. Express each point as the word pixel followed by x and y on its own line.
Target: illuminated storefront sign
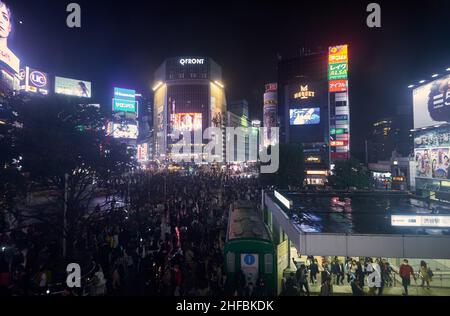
pixel 125 94
pixel 338 71
pixel 339 102
pixel 338 143
pixel 32 80
pixel 192 61
pixel 313 159
pixel 338 54
pixel 420 221
pixel 338 131
pixel 304 93
pixel 338 85
pixel 317 172
pixel 124 106
pixel 124 100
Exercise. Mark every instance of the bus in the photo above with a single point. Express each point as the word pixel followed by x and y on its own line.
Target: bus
pixel 249 248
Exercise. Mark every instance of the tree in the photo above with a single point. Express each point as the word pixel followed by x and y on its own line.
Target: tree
pixel 349 173
pixel 291 171
pixel 11 182
pixel 64 149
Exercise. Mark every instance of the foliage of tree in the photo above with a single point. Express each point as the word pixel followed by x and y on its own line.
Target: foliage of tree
pixel 349 173
pixel 59 139
pixel 291 172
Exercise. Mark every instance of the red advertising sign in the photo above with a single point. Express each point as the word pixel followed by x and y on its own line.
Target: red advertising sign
pixel 338 86
pixel 339 143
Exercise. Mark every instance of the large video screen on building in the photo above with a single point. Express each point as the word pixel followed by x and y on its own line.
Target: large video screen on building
pixel 432 163
pixel 72 87
pixel 432 103
pixel 186 122
pixel 304 116
pixel 125 131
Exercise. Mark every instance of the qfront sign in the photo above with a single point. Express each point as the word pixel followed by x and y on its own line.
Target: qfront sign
pixel 192 61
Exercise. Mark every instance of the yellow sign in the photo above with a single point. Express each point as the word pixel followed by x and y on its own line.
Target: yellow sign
pixel 304 93
pixel 338 54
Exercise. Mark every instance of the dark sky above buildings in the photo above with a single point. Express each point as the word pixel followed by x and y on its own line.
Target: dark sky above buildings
pixel 121 43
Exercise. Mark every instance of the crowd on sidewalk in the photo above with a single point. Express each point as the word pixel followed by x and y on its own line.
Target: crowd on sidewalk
pixel 365 276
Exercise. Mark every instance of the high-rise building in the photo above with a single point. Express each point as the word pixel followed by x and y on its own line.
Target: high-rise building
pixel 237 117
pixel 314 108
pixel 304 112
pixel 188 96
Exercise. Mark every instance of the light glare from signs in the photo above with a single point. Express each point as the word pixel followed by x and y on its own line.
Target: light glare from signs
pixel 338 71
pixel 32 80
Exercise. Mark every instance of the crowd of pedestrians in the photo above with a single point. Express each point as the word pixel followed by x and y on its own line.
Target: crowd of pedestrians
pixel 170 243
pixel 365 276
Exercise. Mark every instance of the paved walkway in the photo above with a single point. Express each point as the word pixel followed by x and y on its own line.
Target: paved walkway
pixel 389 291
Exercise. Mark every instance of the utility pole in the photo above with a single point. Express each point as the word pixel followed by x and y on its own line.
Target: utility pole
pixel 367 155
pixel 66 194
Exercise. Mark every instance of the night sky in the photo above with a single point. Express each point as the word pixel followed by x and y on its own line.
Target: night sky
pixel 122 44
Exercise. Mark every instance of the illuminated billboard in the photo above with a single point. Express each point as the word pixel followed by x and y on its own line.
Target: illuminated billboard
pixel 7 57
pixel 438 137
pixel 442 221
pixel 339 102
pixel 270 116
pixel 124 106
pixel 35 81
pixel 338 85
pixel 186 122
pixel 432 163
pixel 305 116
pixel 124 131
pixel 431 103
pixel 338 71
pixel 338 54
pixel 72 87
pixel 142 152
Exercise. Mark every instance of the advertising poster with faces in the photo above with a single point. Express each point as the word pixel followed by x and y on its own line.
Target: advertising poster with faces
pixel 432 163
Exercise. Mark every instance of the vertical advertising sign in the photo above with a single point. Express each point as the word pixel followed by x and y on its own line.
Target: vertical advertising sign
pixel 270 112
pixel 339 103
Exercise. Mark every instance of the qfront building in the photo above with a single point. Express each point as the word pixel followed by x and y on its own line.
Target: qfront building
pixel 188 97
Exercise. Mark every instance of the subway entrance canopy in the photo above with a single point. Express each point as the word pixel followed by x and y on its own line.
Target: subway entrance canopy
pixel 369 226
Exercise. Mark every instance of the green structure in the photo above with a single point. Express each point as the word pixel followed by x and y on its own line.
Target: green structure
pixel 249 248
